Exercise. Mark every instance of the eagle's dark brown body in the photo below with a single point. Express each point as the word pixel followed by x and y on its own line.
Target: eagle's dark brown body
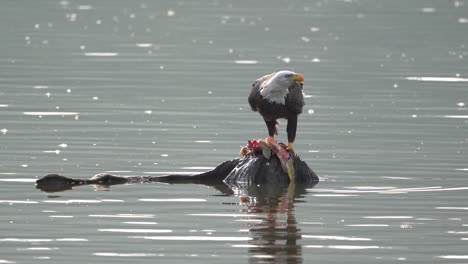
pixel 271 111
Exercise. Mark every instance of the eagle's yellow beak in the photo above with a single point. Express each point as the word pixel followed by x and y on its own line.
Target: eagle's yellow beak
pixel 298 78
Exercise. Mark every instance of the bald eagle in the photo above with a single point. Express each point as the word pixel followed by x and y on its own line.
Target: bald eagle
pixel 278 95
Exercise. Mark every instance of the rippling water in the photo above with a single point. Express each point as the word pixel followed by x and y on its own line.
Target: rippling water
pixel 161 87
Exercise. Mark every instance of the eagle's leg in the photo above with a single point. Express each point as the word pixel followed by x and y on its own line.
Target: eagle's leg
pixel 291 129
pixel 271 125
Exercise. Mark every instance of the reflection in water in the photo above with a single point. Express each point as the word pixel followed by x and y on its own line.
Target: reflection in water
pixel 275 237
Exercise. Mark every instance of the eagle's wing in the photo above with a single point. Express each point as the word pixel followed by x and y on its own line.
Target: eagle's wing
pixel 295 98
pixel 254 96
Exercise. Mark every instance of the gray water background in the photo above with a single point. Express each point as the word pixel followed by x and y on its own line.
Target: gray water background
pixel 153 87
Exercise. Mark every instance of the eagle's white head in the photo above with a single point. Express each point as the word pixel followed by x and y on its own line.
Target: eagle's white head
pixel 275 88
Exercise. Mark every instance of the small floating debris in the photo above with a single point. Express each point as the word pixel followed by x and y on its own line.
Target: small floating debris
pixel 72 239
pixel 124 216
pixel 457 116
pixel 18 180
pixel 428 10
pixel 369 225
pixel 57 151
pixel 40 87
pixel 112 254
pixel 128 230
pixel 170 12
pixel 305 39
pixel 85 7
pixel 50 113
pixel 437 79
pixel 314 29
pixel 389 217
pixel 101 54
pixel 224 215
pixel 26 240
pixel 345 247
pixel 245 61
pixel 141 223
pixel 38 248
pixel 72 17
pixel 315 60
pixel 454 257
pixel 173 200
pixel 18 202
pixel 286 59
pixel 342 238
pixel 72 201
pixel 195 238
pixel 144 45
pixel 452 208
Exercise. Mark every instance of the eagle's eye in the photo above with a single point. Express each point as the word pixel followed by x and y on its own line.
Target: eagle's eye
pixel 288 76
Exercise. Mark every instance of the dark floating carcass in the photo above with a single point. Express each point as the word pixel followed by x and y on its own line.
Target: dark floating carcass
pixel 262 163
